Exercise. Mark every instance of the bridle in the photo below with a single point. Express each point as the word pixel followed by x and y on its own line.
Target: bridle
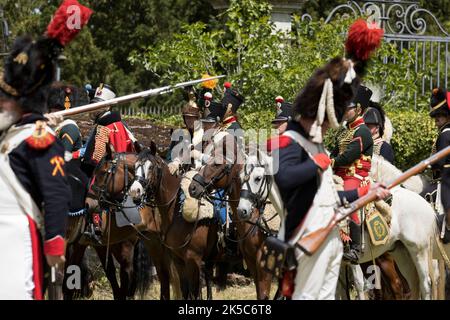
pixel 208 187
pixel 149 185
pixel 256 198
pixel 101 193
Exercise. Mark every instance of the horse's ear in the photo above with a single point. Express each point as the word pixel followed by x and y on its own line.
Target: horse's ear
pixel 153 148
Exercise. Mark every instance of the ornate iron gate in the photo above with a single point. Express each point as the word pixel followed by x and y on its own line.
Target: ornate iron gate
pixel 411 27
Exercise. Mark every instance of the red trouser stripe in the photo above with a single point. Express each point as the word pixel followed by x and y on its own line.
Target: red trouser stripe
pixel 38 271
pixel 352 184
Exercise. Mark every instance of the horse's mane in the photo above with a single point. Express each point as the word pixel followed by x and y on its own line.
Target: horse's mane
pixel 148 154
pixel 386 171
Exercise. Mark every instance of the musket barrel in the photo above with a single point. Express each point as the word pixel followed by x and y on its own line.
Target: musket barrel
pixel 418 168
pixel 131 97
pixel 312 242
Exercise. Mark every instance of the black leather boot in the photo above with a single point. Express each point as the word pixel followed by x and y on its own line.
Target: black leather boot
pixel 353 252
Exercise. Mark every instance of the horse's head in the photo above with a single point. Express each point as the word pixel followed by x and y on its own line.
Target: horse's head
pixel 220 169
pixel 110 180
pixel 256 184
pixel 147 175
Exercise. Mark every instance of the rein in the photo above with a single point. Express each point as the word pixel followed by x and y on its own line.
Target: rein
pixel 149 190
pixel 101 192
pixel 257 200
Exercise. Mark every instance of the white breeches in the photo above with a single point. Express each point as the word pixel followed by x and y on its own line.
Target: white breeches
pixel 16 263
pixel 318 274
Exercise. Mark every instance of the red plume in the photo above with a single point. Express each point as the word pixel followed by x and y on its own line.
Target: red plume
pixel 68 21
pixel 363 39
pixel 227 85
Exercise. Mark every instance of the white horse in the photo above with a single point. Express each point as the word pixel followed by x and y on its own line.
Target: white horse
pixel 412 225
pixel 383 171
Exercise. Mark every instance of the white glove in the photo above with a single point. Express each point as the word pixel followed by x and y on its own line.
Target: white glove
pixel 53 119
pixel 174 166
pixel 197 155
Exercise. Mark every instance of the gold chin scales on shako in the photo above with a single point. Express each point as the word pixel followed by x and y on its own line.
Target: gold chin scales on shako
pixel 33 175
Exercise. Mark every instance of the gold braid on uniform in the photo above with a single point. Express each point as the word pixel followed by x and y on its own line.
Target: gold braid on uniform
pixel 101 139
pixel 344 137
pixel 377 147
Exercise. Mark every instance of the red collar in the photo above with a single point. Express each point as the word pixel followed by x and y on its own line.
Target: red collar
pixel 230 120
pixel 359 121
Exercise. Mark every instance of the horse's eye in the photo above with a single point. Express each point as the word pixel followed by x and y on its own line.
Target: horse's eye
pixel 258 179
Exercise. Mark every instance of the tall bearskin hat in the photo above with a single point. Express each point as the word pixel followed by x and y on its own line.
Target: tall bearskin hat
pixel 439 103
pixel 31 66
pixel 362 98
pixel 333 87
pixel 64 97
pixel 375 115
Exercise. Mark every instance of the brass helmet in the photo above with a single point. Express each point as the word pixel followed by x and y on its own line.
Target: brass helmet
pixel 191 109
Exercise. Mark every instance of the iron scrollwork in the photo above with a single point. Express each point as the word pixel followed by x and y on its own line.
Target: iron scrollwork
pixel 395 17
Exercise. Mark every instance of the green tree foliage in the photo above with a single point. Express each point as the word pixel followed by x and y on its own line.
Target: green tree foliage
pixel 100 53
pixel 264 63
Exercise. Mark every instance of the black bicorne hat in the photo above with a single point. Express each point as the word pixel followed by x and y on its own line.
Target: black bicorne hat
pixel 362 98
pixel 373 116
pixel 232 98
pixel 439 103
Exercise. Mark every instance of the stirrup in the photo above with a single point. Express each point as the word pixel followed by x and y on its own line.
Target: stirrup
pixel 90 235
pixel 352 255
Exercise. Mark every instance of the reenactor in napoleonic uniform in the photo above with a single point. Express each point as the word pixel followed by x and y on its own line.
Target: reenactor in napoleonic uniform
pixel 109 132
pixel 305 177
pixel 64 97
pixel 351 160
pixel 375 119
pixel 440 112
pixel 284 114
pixel 35 196
pixel 182 139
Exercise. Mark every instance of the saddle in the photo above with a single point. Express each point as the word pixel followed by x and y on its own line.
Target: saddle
pixel 194 209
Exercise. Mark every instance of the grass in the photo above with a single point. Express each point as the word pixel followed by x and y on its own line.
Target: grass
pixel 102 291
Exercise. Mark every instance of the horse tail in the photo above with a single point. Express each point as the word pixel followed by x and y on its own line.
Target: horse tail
pixel 141 269
pixel 223 268
pixel 86 279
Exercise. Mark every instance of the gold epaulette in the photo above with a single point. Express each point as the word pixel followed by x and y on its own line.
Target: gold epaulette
pixel 344 138
pixel 41 138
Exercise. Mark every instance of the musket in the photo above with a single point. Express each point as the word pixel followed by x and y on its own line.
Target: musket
pixel 311 242
pixel 131 97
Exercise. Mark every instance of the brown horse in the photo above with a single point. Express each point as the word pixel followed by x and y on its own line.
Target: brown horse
pixel 111 180
pixel 189 243
pixel 221 174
